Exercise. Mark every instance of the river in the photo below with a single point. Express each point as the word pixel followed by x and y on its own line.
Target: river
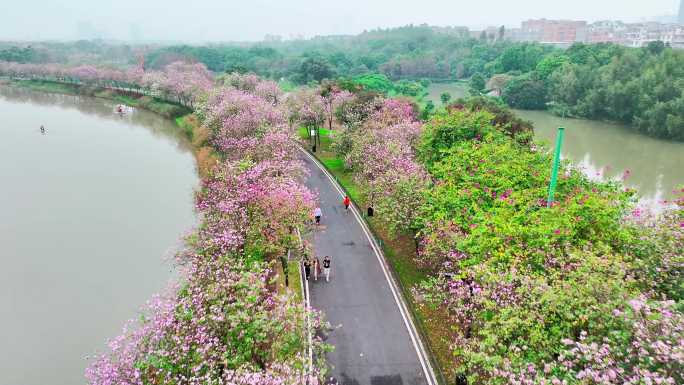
pixel 605 150
pixel 90 214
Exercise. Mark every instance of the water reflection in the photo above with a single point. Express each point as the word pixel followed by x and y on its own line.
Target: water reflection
pixel 102 108
pixel 607 150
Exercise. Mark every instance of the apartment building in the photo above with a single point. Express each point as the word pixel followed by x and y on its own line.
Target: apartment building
pixel 553 31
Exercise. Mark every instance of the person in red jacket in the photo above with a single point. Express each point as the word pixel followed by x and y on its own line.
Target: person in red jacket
pixel 346 201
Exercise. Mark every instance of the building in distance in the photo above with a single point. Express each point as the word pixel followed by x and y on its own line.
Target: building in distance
pixel 558 32
pixel 564 33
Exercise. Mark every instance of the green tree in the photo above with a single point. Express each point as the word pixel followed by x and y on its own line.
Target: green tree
pixel 374 82
pixel 550 63
pixel 19 55
pixel 525 92
pixel 315 69
pixel 477 84
pixel 427 110
pixel 498 82
pixel 445 97
pixel 655 47
pixel 522 57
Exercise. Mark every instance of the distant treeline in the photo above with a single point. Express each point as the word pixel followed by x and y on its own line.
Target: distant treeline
pixel 642 87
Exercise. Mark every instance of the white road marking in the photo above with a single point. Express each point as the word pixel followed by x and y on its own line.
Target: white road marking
pixel 408 322
pixel 305 286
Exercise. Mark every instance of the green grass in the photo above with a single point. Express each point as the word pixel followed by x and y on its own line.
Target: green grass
pixel 48 86
pixel 185 126
pixel 287 86
pixel 304 134
pixel 333 164
pixel 295 280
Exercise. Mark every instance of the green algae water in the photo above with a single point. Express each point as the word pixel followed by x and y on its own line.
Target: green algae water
pixel 90 214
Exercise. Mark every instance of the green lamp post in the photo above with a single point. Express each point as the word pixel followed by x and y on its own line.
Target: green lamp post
pixel 556 164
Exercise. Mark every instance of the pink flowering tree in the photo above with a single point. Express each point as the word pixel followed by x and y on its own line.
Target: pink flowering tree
pixel 237 120
pixel 648 350
pixel 262 198
pixel 269 90
pixel 381 155
pixel 85 74
pixel 332 97
pixel 243 82
pixel 226 322
pixel 186 81
pixel 223 325
pixel 311 109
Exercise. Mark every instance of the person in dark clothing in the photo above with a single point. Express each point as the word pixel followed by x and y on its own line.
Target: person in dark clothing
pixel 326 268
pixel 42 129
pixel 307 268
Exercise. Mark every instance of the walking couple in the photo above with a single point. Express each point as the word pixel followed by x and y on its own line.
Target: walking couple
pixel 316 265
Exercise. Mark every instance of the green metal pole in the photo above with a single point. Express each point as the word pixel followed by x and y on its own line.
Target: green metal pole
pixel 556 164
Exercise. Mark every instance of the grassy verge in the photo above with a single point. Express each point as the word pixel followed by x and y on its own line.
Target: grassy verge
pixel 295 280
pixel 400 254
pixel 187 125
pixel 289 282
pixel 47 86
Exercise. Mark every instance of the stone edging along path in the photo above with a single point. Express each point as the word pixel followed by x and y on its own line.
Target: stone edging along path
pixel 363 296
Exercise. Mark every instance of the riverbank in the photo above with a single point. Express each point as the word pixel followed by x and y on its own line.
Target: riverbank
pixel 130 98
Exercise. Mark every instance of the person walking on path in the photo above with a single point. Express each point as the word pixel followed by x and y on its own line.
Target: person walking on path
pixel 346 201
pixel 317 268
pixel 307 268
pixel 317 215
pixel 326 268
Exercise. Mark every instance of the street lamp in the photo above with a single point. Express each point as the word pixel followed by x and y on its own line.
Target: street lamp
pixel 556 164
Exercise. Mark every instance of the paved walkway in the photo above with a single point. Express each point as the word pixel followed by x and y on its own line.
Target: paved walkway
pixel 373 345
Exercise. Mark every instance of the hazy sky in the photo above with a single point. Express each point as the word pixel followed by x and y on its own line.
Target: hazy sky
pixel 220 20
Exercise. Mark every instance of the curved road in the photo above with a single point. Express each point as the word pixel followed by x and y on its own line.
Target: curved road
pixel 375 343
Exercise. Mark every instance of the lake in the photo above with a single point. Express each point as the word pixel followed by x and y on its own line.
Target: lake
pixel 90 214
pixel 605 150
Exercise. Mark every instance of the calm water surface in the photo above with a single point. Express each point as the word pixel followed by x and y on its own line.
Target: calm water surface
pixel 606 150
pixel 435 91
pixel 88 214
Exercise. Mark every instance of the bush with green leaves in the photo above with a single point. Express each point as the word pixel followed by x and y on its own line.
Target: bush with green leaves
pixel 518 280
